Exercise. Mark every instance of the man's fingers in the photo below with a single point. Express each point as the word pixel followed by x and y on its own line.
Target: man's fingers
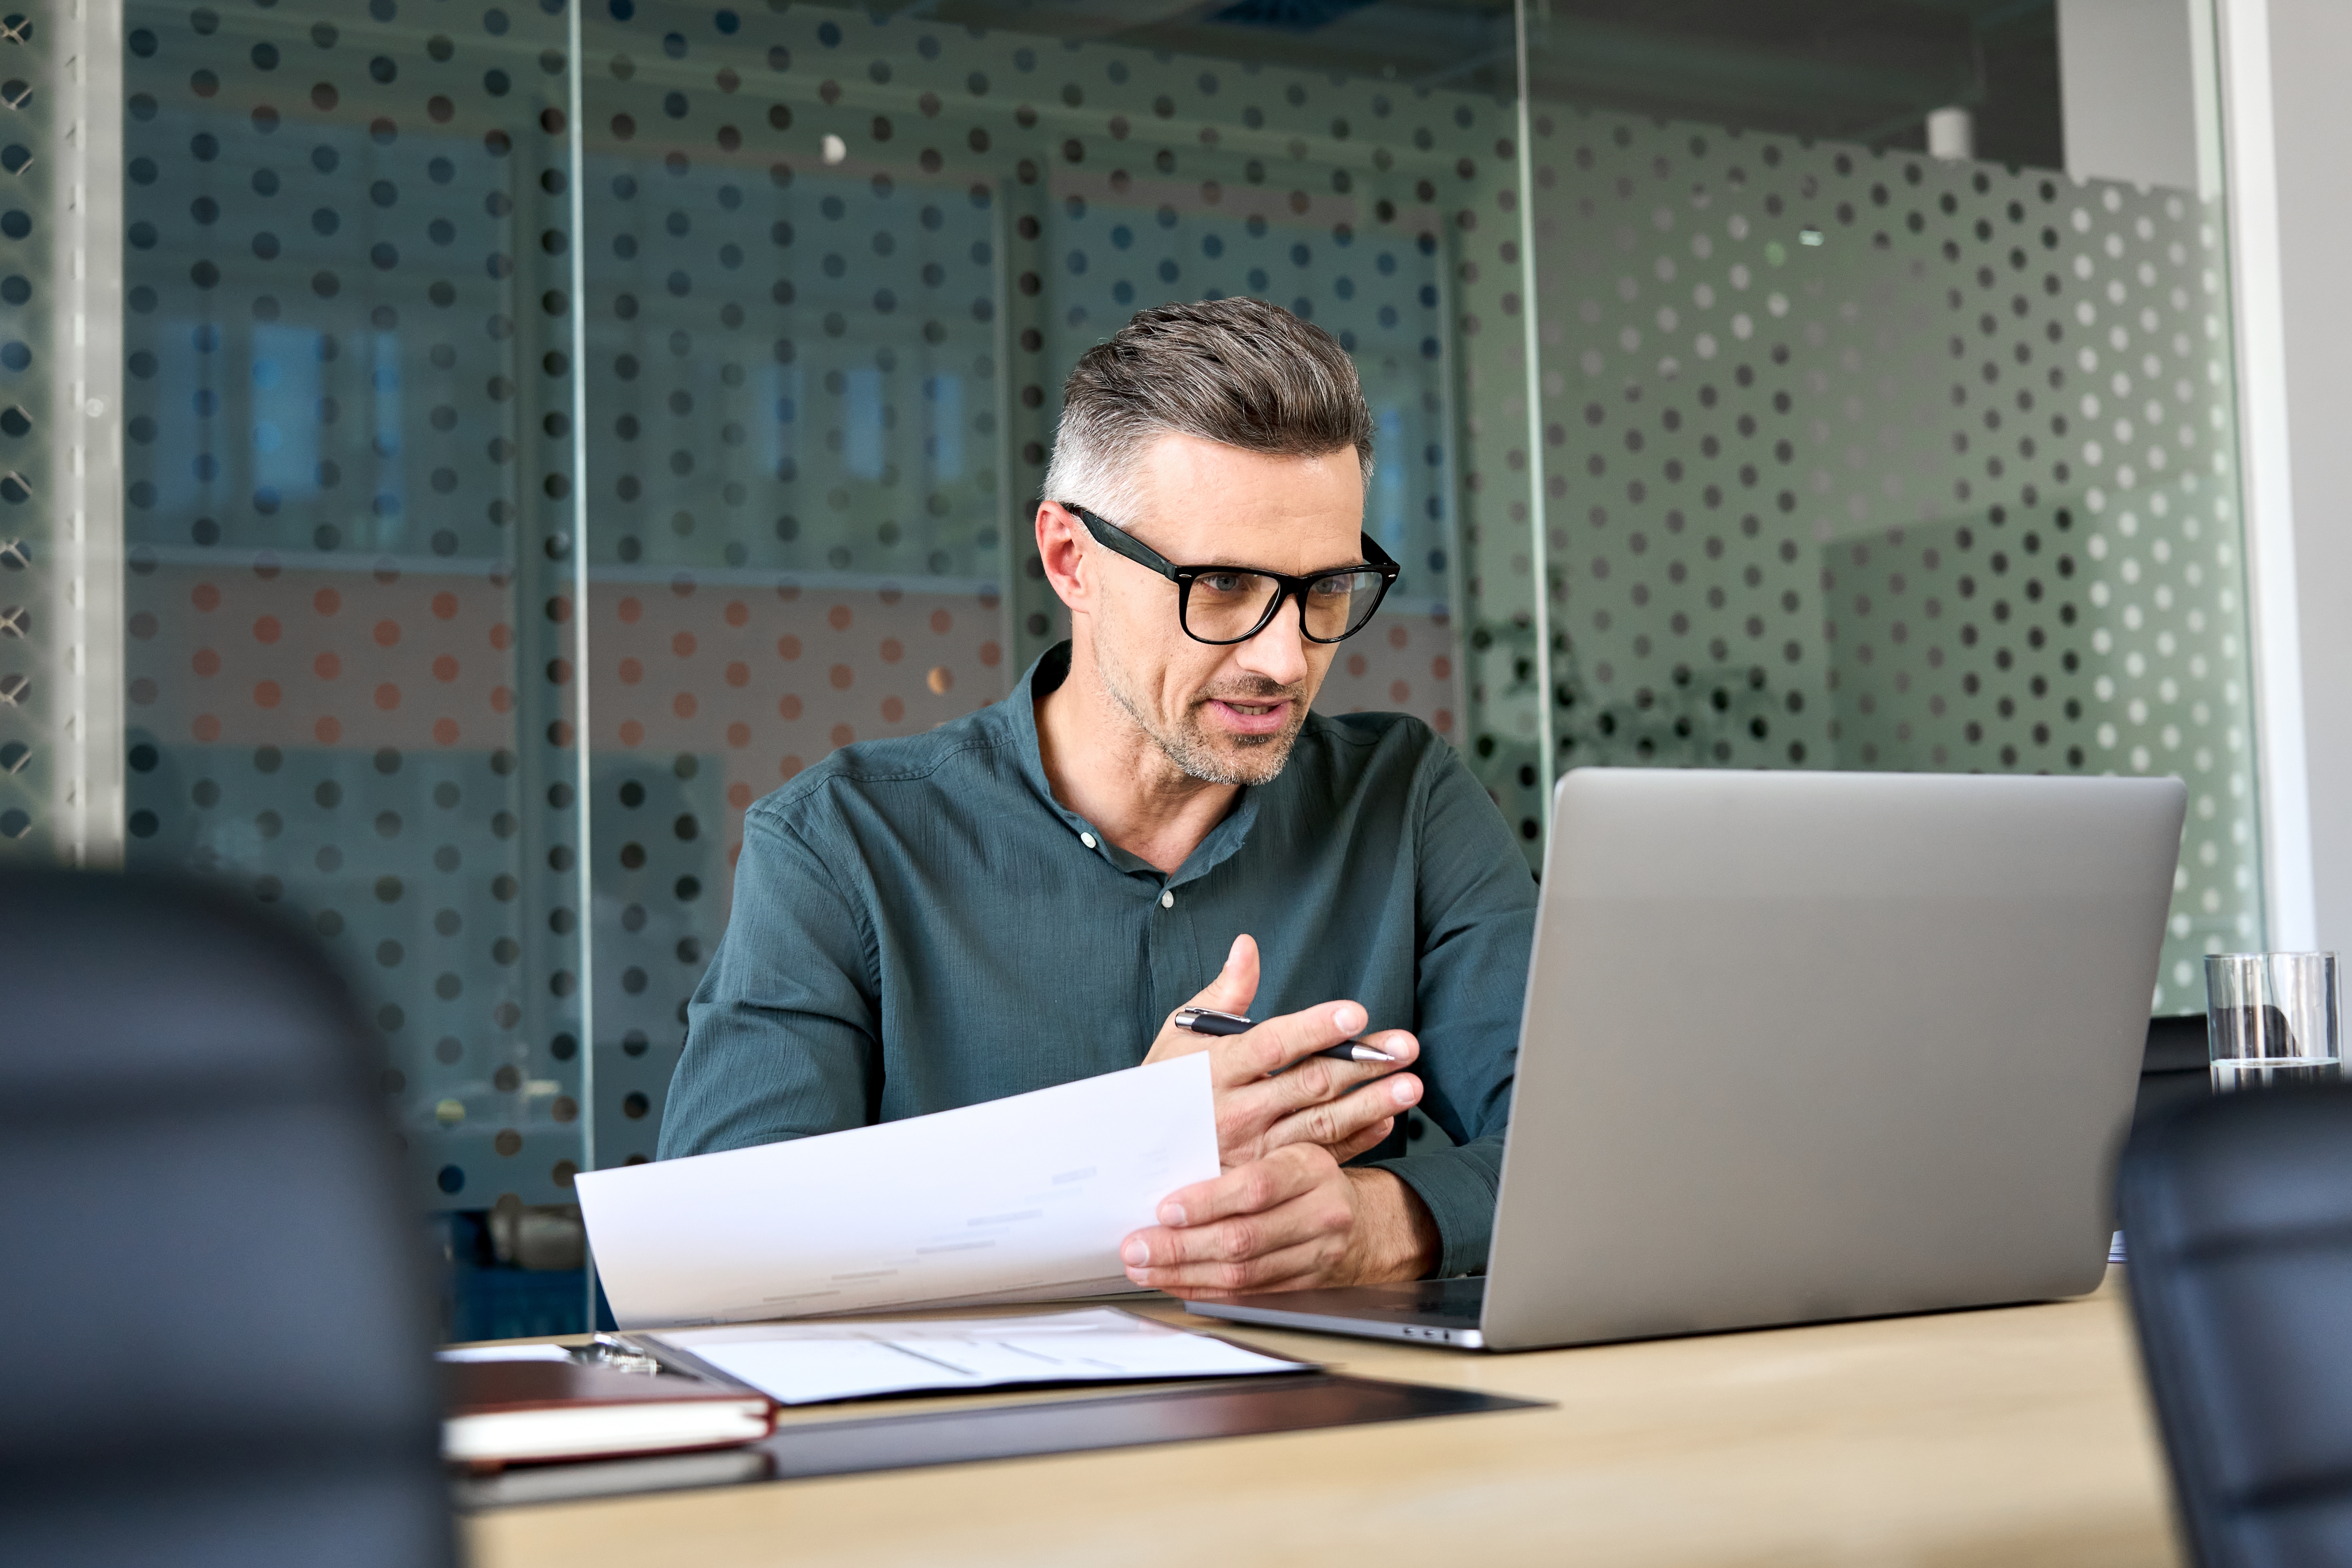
pixel 1233 990
pixel 1248 1189
pixel 1278 1042
pixel 1291 1269
pixel 1369 1138
pixel 1235 986
pixel 1336 1123
pixel 1272 1089
pixel 1248 1110
pixel 1279 1218
pixel 1304 1218
pixel 1286 1046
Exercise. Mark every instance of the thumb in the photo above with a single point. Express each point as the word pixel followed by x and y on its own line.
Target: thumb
pixel 1232 990
pixel 1235 987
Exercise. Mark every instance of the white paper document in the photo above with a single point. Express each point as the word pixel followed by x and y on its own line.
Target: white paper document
pixel 805 1363
pixel 1023 1198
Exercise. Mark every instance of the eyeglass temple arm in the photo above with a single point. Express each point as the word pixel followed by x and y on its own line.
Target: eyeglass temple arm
pixel 1118 542
pixel 1121 543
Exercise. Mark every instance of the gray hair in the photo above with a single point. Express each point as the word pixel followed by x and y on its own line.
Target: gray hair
pixel 1238 372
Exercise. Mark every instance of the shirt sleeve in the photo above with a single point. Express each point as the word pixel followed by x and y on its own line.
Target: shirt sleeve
pixel 782 1035
pixel 1476 908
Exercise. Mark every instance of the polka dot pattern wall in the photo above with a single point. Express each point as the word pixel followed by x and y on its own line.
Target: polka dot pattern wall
pixel 29 711
pixel 840 266
pixel 349 471
pixel 832 269
pixel 1873 461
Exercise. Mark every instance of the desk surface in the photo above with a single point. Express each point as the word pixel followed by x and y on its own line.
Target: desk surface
pixel 2016 1436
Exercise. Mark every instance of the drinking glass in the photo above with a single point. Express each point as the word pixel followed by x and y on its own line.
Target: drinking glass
pixel 2271 1018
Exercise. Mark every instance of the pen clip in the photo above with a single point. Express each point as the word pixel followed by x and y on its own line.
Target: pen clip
pixel 617 1355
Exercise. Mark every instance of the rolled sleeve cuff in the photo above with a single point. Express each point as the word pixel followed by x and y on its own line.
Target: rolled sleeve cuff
pixel 1459 1186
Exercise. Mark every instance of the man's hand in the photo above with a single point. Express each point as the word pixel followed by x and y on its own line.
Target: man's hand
pixel 1285 1217
pixel 1318 1100
pixel 1290 1220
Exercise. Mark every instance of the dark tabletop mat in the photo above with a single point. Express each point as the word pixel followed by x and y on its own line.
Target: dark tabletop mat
pixel 1233 1407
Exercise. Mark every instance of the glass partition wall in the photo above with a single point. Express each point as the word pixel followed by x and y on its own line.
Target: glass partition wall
pixel 1856 458
pixel 547 430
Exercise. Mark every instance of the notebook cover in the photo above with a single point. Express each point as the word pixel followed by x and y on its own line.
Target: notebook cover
pixel 487 1387
pixel 477 1390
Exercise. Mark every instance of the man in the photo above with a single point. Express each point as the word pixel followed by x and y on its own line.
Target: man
pixel 1027 896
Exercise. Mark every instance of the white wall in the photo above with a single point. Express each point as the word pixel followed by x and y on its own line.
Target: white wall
pixel 2288 127
pixel 2129 98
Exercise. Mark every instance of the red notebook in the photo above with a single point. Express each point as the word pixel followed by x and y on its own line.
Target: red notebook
pixel 532 1412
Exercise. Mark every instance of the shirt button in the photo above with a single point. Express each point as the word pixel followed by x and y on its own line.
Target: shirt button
pixel 1167 900
pixel 1087 839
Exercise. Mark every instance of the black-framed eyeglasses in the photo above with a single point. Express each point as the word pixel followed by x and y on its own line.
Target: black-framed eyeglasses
pixel 1225 605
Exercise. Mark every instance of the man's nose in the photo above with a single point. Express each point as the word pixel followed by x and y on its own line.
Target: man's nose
pixel 1279 651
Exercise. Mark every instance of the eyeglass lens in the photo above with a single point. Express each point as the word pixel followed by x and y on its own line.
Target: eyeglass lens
pixel 1226 606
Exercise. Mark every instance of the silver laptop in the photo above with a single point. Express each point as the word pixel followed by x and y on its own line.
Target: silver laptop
pixel 1801 1047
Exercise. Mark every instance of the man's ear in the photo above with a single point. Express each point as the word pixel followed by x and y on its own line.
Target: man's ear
pixel 1063 546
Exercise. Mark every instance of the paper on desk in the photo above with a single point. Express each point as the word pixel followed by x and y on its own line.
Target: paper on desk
pixel 1024 1197
pixel 504 1352
pixel 806 1363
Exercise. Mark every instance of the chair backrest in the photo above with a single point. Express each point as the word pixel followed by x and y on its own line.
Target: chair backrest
pixel 2237 1215
pixel 2172 1071
pixel 215 1301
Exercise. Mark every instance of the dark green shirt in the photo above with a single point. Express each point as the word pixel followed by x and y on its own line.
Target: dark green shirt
pixel 919 925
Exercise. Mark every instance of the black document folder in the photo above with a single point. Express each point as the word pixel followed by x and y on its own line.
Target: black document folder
pixel 1239 1408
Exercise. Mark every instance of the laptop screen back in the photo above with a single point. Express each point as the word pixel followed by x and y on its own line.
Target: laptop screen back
pixel 1807 1045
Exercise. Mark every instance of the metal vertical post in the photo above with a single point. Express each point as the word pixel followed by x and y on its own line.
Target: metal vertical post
pixel 1010 554
pixel 576 141
pixel 86 433
pixel 1539 544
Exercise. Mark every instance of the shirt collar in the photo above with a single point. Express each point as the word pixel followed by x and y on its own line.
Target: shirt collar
pixel 1053 667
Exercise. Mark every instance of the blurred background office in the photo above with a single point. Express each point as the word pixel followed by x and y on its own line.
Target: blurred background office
pixel 456 458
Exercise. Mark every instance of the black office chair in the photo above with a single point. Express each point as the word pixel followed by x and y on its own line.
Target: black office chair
pixel 2239 1212
pixel 2172 1070
pixel 215 1337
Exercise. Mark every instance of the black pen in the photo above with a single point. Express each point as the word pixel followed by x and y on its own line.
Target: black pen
pixel 1209 1021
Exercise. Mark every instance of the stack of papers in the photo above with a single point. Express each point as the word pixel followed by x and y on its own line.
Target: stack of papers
pixel 805 1363
pixel 1019 1199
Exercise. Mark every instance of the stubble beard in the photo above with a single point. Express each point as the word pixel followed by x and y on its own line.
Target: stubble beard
pixel 1193 750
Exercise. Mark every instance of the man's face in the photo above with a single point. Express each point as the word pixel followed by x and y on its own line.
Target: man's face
pixel 1227 715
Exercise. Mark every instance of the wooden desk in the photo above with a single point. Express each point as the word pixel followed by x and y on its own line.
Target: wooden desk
pixel 2014 1438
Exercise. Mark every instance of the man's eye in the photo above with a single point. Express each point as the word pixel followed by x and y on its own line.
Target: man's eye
pixel 1225 582
pixel 1333 587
